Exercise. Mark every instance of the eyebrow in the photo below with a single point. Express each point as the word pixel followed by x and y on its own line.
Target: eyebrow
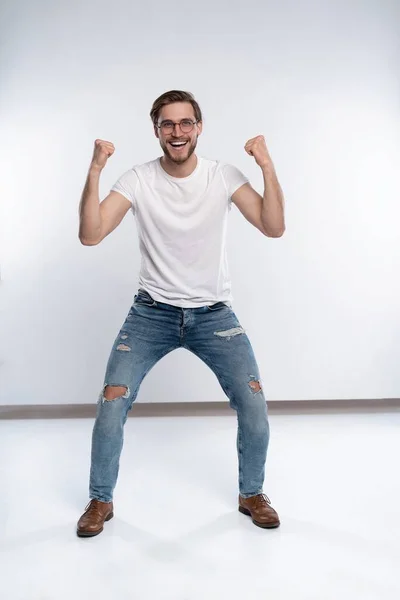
pixel 183 119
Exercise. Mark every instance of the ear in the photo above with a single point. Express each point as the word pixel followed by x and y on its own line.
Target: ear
pixel 199 128
pixel 156 132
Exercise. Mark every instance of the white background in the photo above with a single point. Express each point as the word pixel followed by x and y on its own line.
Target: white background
pixel 320 79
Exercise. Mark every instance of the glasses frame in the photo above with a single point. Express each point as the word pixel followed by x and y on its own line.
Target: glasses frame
pixel 160 126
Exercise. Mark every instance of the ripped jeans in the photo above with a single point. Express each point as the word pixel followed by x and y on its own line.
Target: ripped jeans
pixel 151 331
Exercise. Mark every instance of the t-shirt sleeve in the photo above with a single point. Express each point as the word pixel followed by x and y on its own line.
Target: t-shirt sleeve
pixel 234 179
pixel 126 185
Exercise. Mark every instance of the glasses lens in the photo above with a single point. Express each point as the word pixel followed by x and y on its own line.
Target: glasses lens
pixel 167 126
pixel 187 125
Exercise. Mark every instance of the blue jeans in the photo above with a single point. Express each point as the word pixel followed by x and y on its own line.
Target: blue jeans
pixel 152 330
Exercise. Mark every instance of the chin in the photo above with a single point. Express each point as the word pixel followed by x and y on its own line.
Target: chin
pixel 179 160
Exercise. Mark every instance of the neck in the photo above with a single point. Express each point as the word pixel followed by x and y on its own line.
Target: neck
pixel 179 170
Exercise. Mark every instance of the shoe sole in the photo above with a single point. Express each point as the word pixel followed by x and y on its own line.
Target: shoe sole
pixel 246 512
pixel 85 534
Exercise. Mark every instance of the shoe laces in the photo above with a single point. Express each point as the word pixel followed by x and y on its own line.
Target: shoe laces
pixel 263 499
pixel 91 507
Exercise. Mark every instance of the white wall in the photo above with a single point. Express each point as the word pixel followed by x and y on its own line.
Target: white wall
pixel 320 79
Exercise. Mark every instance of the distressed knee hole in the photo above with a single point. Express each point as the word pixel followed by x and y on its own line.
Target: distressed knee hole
pixel 255 386
pixel 112 392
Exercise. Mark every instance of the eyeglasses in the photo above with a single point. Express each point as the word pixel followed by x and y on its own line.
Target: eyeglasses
pixel 186 126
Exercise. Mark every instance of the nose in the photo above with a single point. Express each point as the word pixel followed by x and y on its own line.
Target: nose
pixel 176 132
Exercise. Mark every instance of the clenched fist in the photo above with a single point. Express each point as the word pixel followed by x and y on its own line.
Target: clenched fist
pixel 258 148
pixel 102 152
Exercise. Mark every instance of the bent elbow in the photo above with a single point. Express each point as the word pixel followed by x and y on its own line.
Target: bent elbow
pixel 279 233
pixel 274 233
pixel 86 242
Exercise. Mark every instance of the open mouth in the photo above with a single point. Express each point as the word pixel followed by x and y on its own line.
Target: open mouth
pixel 178 145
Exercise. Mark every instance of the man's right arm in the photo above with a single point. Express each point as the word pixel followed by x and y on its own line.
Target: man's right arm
pixel 97 220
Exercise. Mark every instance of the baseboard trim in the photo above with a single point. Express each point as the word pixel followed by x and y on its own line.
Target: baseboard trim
pixel 186 409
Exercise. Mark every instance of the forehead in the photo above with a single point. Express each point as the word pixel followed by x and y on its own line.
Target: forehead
pixel 177 111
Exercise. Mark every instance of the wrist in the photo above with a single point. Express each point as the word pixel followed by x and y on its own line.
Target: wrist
pixel 267 169
pixel 95 169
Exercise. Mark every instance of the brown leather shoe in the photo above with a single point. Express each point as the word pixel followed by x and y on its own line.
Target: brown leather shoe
pixel 92 521
pixel 260 510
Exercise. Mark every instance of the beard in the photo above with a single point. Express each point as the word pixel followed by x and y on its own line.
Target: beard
pixel 178 157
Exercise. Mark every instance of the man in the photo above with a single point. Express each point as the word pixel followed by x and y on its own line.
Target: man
pixel 181 204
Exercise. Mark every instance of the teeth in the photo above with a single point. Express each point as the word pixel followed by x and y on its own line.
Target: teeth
pixel 178 143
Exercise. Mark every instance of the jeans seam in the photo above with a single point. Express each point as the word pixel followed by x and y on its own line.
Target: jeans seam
pixel 215 370
pixel 240 432
pixel 133 395
pixel 135 390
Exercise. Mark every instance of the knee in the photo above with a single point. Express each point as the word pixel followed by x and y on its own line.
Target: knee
pixel 112 409
pixel 112 392
pixel 255 386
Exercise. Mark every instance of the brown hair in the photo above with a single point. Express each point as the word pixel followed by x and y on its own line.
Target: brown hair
pixel 170 98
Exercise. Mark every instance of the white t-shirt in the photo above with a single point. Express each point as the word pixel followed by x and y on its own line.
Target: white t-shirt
pixel 182 226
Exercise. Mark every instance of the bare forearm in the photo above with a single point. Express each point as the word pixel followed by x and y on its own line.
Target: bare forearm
pixel 89 208
pixel 272 212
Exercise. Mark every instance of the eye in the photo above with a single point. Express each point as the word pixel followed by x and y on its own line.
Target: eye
pixel 186 123
pixel 166 125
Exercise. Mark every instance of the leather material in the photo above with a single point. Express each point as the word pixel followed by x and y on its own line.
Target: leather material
pixel 260 510
pixel 92 521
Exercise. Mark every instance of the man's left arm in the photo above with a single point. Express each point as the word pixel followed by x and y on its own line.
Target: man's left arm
pixel 264 212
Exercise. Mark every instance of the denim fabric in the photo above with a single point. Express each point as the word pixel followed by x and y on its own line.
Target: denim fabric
pixel 152 330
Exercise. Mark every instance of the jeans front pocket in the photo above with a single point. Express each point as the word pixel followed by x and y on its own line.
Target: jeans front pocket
pixel 217 306
pixel 143 298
